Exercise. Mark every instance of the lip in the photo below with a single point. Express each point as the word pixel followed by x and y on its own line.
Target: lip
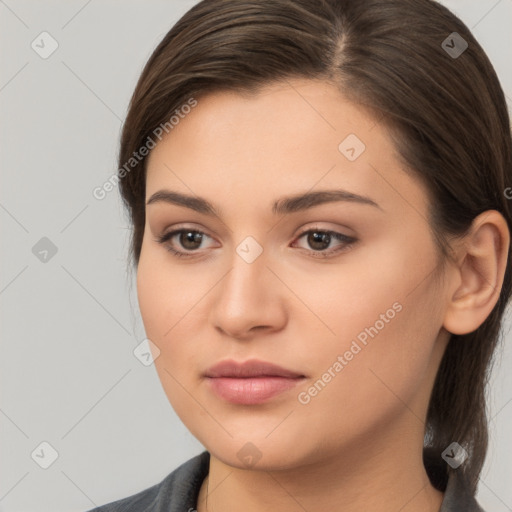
pixel 250 382
pixel 250 368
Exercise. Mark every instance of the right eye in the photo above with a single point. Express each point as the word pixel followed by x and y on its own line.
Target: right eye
pixel 188 239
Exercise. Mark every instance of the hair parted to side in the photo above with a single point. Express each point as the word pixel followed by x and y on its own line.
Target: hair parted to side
pixel 448 118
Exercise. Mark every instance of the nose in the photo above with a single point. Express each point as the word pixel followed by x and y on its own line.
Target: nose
pixel 248 299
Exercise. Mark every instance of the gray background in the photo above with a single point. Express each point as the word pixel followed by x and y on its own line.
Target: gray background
pixel 70 324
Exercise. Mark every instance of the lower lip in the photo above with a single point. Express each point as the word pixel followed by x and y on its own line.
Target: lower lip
pixel 251 390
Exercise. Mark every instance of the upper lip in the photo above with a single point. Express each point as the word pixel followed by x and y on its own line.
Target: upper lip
pixel 250 368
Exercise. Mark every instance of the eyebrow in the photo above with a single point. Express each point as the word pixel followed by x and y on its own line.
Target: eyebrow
pixel 284 205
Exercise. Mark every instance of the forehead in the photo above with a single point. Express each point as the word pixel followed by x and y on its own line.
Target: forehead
pixel 298 106
pixel 290 136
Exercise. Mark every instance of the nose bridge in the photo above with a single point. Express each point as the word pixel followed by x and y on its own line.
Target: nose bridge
pixel 243 284
pixel 246 297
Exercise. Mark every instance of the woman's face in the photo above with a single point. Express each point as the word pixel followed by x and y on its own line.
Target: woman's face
pixel 356 319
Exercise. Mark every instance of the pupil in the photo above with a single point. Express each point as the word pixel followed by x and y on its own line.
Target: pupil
pixel 190 237
pixel 319 238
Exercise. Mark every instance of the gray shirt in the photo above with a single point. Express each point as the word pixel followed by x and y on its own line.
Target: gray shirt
pixel 179 490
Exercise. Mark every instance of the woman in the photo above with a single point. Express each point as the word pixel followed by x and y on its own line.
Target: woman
pixel 321 234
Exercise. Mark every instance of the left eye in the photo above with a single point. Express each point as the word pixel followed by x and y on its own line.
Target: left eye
pixel 320 240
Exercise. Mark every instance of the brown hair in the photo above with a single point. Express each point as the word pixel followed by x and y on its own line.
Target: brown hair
pixel 446 112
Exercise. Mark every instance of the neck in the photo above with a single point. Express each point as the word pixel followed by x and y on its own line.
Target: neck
pixel 388 477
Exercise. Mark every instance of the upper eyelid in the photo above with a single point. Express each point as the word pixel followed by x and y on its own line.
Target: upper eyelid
pixel 191 227
pixel 168 235
pixel 178 228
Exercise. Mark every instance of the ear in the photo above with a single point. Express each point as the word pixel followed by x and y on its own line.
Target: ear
pixel 478 277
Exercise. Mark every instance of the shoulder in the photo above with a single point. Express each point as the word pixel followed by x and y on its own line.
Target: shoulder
pixel 457 497
pixel 177 491
pixel 453 483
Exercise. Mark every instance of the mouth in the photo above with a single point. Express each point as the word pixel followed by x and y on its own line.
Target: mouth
pixel 251 382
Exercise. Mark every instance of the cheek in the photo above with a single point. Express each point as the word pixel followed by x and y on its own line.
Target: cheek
pixel 170 319
pixel 386 320
pixel 161 311
pixel 375 383
pixel 164 295
pixel 149 293
pixel 164 314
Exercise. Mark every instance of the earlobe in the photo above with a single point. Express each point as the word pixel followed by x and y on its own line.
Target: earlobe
pixel 479 276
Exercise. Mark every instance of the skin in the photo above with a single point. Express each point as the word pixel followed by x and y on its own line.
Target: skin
pixel 359 441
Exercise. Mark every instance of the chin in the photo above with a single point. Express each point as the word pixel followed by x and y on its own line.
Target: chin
pixel 257 454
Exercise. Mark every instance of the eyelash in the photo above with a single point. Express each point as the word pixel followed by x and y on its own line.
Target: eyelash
pixel 348 241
